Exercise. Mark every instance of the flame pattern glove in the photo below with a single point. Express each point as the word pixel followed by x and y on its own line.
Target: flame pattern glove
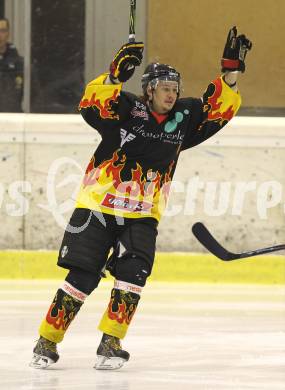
pixel 127 58
pixel 235 51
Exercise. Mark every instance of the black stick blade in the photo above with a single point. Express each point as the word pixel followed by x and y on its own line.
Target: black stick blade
pixel 211 244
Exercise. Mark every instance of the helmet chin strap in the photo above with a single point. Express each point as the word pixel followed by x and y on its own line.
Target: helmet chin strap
pixel 150 89
pixel 150 98
pixel 150 105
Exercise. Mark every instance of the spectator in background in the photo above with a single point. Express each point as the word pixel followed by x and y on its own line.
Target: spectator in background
pixel 11 72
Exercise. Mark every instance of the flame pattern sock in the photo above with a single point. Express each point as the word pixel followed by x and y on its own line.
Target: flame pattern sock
pixel 66 304
pixel 121 309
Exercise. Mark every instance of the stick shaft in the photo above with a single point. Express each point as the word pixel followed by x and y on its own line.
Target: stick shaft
pixel 132 21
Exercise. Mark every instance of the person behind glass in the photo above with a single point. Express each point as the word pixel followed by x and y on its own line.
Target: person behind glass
pixel 126 186
pixel 11 72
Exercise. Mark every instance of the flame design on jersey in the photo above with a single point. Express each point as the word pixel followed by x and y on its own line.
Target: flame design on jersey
pixel 218 108
pixel 104 106
pixel 148 189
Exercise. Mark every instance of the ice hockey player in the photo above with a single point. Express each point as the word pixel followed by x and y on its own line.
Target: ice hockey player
pixel 125 188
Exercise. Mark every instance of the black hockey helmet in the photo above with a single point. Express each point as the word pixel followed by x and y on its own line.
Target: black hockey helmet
pixel 155 72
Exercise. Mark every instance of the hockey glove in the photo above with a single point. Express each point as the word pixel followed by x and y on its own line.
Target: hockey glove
pixel 123 65
pixel 235 51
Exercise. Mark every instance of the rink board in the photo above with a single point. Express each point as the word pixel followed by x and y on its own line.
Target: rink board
pixel 172 267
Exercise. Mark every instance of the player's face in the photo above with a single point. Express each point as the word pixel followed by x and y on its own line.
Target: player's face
pixel 4 33
pixel 164 96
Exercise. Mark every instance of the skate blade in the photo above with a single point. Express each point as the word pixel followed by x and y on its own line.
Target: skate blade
pixel 40 362
pixel 112 363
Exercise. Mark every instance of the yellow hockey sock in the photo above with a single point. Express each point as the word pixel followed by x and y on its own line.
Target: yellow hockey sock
pixel 120 311
pixel 66 304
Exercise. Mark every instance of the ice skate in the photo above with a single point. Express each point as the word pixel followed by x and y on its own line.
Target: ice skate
pixel 110 355
pixel 45 354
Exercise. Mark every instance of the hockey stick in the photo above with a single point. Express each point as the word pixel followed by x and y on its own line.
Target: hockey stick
pixel 209 242
pixel 132 21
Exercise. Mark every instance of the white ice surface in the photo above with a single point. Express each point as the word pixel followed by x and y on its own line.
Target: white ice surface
pixel 183 336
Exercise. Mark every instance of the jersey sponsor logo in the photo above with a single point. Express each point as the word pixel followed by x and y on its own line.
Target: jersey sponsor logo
pixel 125 137
pixel 172 138
pixel 139 113
pixel 119 203
pixel 140 105
pixel 171 125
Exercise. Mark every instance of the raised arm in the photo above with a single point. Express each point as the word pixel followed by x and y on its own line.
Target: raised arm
pixel 233 60
pixel 101 104
pixel 221 100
